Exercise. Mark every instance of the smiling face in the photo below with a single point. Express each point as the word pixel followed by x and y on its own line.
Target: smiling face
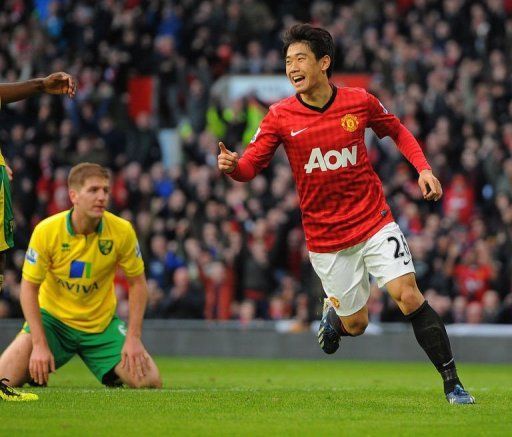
pixel 305 72
pixel 91 199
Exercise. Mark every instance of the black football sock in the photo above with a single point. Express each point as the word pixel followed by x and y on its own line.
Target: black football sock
pixel 337 325
pixel 431 335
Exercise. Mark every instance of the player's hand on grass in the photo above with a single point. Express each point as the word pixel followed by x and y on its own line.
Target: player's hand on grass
pixel 41 364
pixel 134 357
pixel 59 83
pixel 430 186
pixel 227 160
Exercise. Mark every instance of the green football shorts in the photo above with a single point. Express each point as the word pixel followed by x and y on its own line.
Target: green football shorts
pixel 6 214
pixel 100 352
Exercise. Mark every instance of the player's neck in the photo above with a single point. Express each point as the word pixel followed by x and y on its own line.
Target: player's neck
pixel 82 224
pixel 319 95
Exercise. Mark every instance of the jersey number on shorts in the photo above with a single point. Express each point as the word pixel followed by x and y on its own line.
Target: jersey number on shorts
pixel 399 253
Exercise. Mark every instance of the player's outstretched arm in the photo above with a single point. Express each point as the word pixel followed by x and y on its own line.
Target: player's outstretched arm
pixel 227 160
pixel 430 186
pixel 41 361
pixel 55 83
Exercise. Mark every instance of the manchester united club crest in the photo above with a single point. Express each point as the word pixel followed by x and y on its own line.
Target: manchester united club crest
pixel 335 302
pixel 349 122
pixel 105 246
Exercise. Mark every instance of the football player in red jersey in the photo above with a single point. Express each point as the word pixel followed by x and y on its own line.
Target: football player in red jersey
pixel 349 229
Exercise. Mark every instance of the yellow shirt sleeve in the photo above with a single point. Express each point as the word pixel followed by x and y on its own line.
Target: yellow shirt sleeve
pixel 36 258
pixel 130 258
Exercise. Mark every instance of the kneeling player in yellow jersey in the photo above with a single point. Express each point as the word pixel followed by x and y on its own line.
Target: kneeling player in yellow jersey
pixel 67 293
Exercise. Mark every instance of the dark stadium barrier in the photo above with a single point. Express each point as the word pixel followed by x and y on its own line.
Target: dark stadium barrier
pixel 470 343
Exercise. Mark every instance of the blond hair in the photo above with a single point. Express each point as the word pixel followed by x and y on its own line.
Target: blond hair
pixel 83 171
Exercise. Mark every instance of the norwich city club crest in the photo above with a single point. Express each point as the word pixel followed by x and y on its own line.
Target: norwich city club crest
pixel 349 122
pixel 105 246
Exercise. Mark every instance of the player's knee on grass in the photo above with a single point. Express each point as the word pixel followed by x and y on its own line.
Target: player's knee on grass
pixel 147 383
pixel 151 380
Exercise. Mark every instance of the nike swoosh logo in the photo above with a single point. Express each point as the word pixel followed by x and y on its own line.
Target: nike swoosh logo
pixel 449 362
pixel 406 262
pixel 293 133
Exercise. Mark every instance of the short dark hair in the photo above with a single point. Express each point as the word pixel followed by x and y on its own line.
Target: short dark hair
pixel 319 41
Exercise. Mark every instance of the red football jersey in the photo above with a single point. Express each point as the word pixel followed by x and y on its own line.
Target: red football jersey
pixel 340 194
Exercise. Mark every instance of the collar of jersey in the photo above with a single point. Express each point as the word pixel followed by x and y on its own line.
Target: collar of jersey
pixel 69 225
pixel 323 108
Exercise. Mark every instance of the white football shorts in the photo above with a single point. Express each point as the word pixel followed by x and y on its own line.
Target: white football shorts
pixel 344 274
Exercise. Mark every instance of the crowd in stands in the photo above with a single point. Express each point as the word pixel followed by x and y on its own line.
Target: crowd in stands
pixel 221 250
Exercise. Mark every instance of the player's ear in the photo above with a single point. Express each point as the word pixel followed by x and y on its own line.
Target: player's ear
pixel 72 195
pixel 325 63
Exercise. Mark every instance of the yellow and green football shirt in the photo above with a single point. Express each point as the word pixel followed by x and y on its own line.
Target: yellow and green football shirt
pixel 76 271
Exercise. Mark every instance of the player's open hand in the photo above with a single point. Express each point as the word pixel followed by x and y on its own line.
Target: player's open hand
pixel 135 358
pixel 41 364
pixel 430 186
pixel 59 83
pixel 227 160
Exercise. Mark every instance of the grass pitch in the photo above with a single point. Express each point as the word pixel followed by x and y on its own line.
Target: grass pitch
pixel 211 396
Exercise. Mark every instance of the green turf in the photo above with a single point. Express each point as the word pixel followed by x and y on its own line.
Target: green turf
pixel 268 397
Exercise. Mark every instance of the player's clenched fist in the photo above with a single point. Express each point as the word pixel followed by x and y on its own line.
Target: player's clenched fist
pixel 227 160
pixel 430 186
pixel 59 83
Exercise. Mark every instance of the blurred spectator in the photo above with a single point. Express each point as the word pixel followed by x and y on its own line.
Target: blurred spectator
pixel 246 312
pixel 257 277
pixel 155 297
pixel 505 314
pixel 458 201
pixel 184 300
pixel 474 313
pixel 490 306
pixel 473 275
pixel 141 142
pixel 460 304
pixel 218 286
